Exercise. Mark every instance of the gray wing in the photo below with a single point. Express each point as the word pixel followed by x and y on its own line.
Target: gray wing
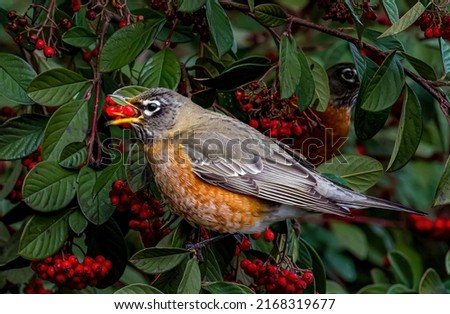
pixel 245 161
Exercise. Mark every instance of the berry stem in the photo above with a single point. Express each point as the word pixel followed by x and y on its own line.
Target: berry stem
pixel 171 31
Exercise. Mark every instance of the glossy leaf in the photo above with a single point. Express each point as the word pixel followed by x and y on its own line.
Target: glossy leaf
pixel 9 179
pixel 219 27
pixel 15 76
pixel 191 281
pixel 387 44
pixel 385 86
pixel 352 238
pixel 73 155
pixel 408 19
pixel 360 172
pixel 97 209
pixel 442 196
pixel 79 37
pixel 391 10
pixel 190 5
pixel 127 43
pixel 270 15
pixel 376 288
pixel 77 222
pixel 369 123
pixel 306 90
pixel 111 173
pixel 21 136
pixel 290 69
pixel 399 289
pixel 447 262
pixel 355 16
pixel 161 70
pixel 223 287
pixel 251 5
pixel 431 283
pixel 322 90
pixel 409 132
pixel 423 68
pixel 44 235
pixel 56 87
pixel 445 54
pixel 136 168
pixel 48 187
pixel 67 125
pixel 138 288
pixel 210 267
pixel 169 282
pixel 158 260
pixel 402 268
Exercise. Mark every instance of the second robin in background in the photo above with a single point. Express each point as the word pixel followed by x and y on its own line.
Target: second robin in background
pixel 219 173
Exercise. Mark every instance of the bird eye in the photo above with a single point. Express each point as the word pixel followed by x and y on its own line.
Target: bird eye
pixel 151 106
pixel 349 75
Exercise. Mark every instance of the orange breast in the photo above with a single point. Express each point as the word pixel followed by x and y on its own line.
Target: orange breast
pixel 199 202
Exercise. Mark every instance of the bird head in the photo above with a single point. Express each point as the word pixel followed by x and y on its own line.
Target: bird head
pixel 344 84
pixel 156 111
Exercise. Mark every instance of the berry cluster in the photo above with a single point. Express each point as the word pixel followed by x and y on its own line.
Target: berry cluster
pixel 65 270
pixel 15 195
pixel 7 113
pixel 89 54
pixel 112 110
pixel 36 287
pixel 145 211
pixel 268 112
pixel 433 24
pixel 337 10
pixel 31 161
pixel 269 278
pixel 245 244
pixel 438 229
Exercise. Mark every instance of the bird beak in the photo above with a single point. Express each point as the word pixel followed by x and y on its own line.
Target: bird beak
pixel 124 101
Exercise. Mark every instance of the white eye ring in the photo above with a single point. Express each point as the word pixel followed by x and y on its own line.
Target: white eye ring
pixel 151 106
pixel 345 72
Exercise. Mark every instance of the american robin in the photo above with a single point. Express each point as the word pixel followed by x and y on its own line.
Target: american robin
pixel 221 174
pixel 327 131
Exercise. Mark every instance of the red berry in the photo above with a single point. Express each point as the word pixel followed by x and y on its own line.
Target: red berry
pixel 22 21
pixel 12 15
pixel 371 15
pixel 91 15
pixel 308 277
pixel 297 130
pixel 291 277
pixel 437 31
pixel 256 236
pixel 269 235
pixel 129 111
pixel 49 52
pixel 282 282
pixel 75 5
pixel 273 132
pixel 265 123
pixel 252 270
pixel 245 263
pixel 272 269
pixel 87 56
pixel 253 123
pixel 95 52
pixel 51 271
pixel 247 107
pixel 88 261
pixel 66 265
pixel 40 44
pixel 123 23
pixel 245 244
pixel 429 32
pixel 61 279
pixel 100 259
pixel 115 200
pixel 285 132
pixel 119 185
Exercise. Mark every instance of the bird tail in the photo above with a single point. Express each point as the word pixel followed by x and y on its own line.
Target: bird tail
pixel 370 201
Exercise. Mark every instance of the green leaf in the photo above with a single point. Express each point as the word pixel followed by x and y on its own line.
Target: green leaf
pixel 322 90
pixel 73 155
pixel 210 267
pixel 376 288
pixel 221 287
pixel 4 234
pixel 422 67
pixel 391 10
pixel 359 61
pixel 307 89
pixel 56 87
pixel 270 15
pixel 349 5
pixel 408 19
pixel 387 44
pixel 44 235
pixel 127 43
pixel 251 5
pixel 9 178
pixel 219 27
pixel 190 5
pixel 352 238
pixel 107 240
pixel 158 260
pixel 79 37
pixel 105 180
pixel 97 209
pixel 409 132
pixel 368 123
pixel 447 262
pixel 77 222
pixel 445 54
pixel 442 196
pixel 402 268
pixel 161 70
pixel 21 136
pixel 138 288
pixel 191 281
pixel 431 283
pixel 378 276
pixel 130 91
pixel 360 172
pixel 237 75
pixel 15 76
pixel 399 289
pixel 67 125
pixel 317 268
pixel 385 86
pixel 290 68
pixel 48 187
pixel 136 168
pixel 168 282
